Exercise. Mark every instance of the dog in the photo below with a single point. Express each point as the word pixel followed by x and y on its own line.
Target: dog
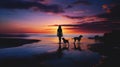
pixel 77 38
pixel 65 41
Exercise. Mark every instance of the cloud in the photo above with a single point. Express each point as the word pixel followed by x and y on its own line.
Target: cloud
pixel 86 19
pixel 94 27
pixel 73 17
pixel 114 13
pixel 105 22
pixel 82 2
pixel 101 23
pixel 17 4
pixel 79 11
pixel 79 2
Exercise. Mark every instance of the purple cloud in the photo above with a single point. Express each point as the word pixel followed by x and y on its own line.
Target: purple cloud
pixel 104 22
pixel 86 19
pixel 82 2
pixel 17 4
pixel 79 2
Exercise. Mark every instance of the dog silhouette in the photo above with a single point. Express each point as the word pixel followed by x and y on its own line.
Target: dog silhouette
pixel 65 41
pixel 77 38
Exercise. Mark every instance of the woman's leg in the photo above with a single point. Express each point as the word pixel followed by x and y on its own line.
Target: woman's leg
pixel 59 40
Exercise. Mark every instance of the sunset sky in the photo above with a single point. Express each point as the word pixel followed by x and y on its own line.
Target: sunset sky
pixel 43 16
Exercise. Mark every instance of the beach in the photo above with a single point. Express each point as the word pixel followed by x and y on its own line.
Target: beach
pixel 45 51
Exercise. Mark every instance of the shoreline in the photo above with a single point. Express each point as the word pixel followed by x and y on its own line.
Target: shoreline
pixel 15 42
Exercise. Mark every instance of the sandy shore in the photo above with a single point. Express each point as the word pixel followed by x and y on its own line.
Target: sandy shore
pixel 14 42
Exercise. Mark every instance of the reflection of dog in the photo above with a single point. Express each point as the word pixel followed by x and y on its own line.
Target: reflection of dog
pixel 77 38
pixel 65 41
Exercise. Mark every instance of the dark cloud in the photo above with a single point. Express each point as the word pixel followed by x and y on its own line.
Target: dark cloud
pixel 112 11
pixel 41 0
pixel 86 19
pixel 79 2
pixel 73 17
pixel 114 14
pixel 93 27
pixel 82 2
pixel 110 20
pixel 17 4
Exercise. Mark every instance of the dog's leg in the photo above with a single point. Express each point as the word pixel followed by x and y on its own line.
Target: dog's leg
pixel 74 40
pixel 78 40
pixel 79 48
pixel 68 45
pixel 74 46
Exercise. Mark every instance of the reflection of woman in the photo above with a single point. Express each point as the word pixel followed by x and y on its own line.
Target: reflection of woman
pixel 59 33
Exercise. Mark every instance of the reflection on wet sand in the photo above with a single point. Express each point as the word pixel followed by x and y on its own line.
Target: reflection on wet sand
pixel 77 46
pixel 64 56
pixel 60 49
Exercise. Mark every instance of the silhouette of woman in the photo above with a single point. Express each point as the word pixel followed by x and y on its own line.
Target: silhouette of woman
pixel 59 33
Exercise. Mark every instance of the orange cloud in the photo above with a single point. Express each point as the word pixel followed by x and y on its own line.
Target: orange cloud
pixel 104 6
pixel 107 7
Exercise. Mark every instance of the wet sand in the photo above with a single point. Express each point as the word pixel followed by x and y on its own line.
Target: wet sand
pixel 39 54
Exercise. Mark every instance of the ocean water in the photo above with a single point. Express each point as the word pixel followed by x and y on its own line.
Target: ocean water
pixel 65 35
